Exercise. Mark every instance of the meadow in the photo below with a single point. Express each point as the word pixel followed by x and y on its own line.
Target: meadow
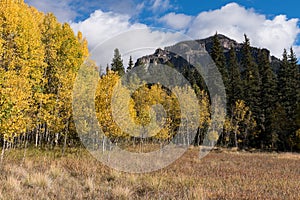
pixel 222 174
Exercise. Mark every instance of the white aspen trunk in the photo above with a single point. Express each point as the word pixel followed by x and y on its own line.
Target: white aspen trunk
pixel 103 144
pixel 56 139
pixel 2 153
pixel 36 137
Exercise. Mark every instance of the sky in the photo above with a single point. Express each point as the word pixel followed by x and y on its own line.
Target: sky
pixel 139 27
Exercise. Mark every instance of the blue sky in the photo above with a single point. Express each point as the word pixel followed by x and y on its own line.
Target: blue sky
pixel 273 24
pixel 190 7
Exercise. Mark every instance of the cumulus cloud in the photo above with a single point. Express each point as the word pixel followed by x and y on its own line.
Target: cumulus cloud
pixel 234 20
pixel 106 31
pixel 176 21
pixel 296 51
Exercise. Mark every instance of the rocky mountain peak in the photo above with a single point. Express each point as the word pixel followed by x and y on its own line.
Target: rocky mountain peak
pixel 198 47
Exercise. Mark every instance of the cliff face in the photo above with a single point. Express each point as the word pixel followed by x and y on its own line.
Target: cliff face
pixel 198 47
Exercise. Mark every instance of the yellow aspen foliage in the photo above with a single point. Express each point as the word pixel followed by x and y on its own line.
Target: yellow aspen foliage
pixel 84 45
pixel 103 105
pixel 21 67
pixel 39 60
pixel 153 105
pixel 84 104
pixel 64 55
pixel 70 58
pixel 240 122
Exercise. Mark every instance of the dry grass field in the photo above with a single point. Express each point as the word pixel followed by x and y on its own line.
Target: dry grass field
pixel 77 175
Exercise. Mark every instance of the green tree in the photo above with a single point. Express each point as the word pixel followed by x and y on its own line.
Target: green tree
pixel 268 135
pixel 130 64
pixel 251 79
pixel 235 90
pixel 294 84
pixel 117 63
pixel 288 89
pixel 218 57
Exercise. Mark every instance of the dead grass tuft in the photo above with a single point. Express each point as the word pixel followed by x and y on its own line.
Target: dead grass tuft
pixel 39 179
pixel 122 192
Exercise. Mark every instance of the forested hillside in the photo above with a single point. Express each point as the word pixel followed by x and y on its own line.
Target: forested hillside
pixel 39 61
pixel 262 91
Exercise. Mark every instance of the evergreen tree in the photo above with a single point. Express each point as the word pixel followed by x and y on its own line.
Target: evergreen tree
pixel 269 134
pixel 282 78
pixel 251 83
pixel 293 96
pixel 130 64
pixel 283 89
pixel 117 63
pixel 294 84
pixel 218 57
pixel 235 90
pixel 288 89
pixel 251 79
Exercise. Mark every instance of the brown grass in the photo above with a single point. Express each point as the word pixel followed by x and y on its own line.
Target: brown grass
pixel 77 175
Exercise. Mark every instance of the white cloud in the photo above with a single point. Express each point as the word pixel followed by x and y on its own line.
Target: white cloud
pixel 234 20
pixel 106 31
pixel 160 5
pixel 176 21
pixel 296 51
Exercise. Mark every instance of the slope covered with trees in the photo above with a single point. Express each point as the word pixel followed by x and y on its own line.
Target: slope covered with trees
pixel 40 59
pixel 262 91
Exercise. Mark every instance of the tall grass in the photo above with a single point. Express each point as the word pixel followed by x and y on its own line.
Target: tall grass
pixel 77 175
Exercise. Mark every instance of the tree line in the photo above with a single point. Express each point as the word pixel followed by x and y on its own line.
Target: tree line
pixel 39 62
pixel 262 102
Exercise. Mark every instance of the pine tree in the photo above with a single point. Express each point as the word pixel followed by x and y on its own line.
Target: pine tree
pixel 293 96
pixel 117 63
pixel 294 84
pixel 130 64
pixel 282 78
pixel 251 84
pixel 219 59
pixel 251 79
pixel 268 100
pixel 282 108
pixel 288 87
pixel 288 82
pixel 235 90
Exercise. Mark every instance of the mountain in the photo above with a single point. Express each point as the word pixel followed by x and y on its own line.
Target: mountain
pixel 169 55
